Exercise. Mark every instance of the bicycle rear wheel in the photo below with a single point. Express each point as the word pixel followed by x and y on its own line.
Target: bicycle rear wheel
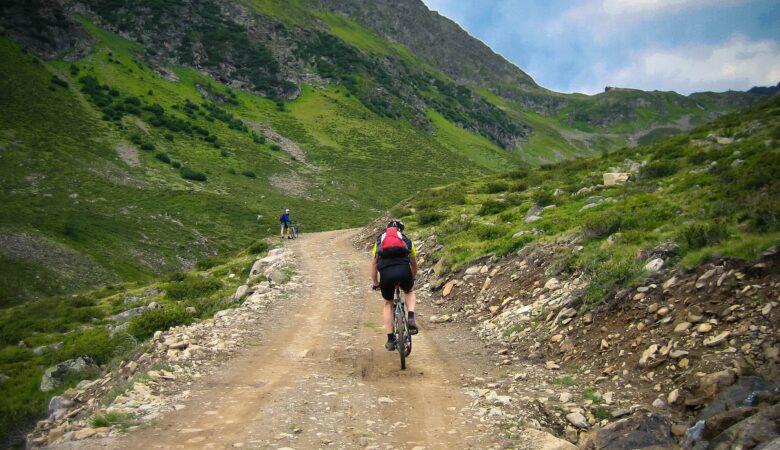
pixel 400 341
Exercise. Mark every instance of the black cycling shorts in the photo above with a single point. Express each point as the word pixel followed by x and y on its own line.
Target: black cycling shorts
pixel 390 275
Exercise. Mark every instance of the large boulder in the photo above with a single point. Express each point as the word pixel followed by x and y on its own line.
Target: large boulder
pixel 646 430
pixel 613 178
pixel 541 440
pixel 761 428
pixel 53 376
pixel 129 314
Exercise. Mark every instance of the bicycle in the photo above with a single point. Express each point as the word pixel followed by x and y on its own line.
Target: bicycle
pixel 293 230
pixel 403 338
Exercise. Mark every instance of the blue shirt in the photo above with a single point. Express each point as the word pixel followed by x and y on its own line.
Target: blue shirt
pixel 285 218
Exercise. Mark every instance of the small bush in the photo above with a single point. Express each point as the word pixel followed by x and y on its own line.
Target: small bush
pixel 94 342
pixel 147 147
pixel 429 218
pixel 176 164
pixel 190 174
pixel 177 276
pixel 163 157
pixel 275 147
pixel 517 174
pixel 208 263
pixel 518 186
pixel 192 287
pixel 401 211
pixel 658 169
pixel 494 187
pixel 543 198
pixel 490 207
pixel 249 174
pixel 169 137
pixel 258 139
pixel 601 225
pixel 488 232
pixel 258 247
pixel 59 81
pixel 144 325
pixel 701 234
pixel 763 213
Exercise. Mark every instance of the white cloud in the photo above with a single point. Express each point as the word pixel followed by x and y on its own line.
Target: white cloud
pixel 606 17
pixel 738 63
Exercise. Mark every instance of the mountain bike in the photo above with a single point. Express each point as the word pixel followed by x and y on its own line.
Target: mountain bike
pixel 293 230
pixel 403 338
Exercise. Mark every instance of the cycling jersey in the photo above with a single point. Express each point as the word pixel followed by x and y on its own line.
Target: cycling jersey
pixel 387 262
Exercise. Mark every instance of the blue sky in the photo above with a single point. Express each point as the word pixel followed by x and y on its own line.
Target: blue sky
pixel 584 45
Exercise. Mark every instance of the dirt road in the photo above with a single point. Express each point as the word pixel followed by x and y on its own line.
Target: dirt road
pixel 319 376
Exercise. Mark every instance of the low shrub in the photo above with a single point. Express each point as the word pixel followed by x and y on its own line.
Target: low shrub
pixel 701 234
pixel 518 186
pixel 249 174
pixel 429 218
pixel 208 263
pixel 517 174
pixel 490 207
pixel 190 174
pixel 401 211
pixel 95 343
pixel 488 232
pixel 147 147
pixel 658 169
pixel 494 187
pixel 275 147
pixel 763 213
pixel 192 287
pixel 59 81
pixel 144 325
pixel 258 247
pixel 163 157
pixel 543 198
pixel 601 225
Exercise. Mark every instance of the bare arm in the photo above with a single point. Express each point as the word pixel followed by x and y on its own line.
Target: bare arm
pixel 374 271
pixel 413 264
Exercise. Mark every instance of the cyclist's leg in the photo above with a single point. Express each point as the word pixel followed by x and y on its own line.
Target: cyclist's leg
pixel 282 232
pixel 407 285
pixel 387 281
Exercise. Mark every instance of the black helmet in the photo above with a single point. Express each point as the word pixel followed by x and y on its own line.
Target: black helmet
pixel 395 223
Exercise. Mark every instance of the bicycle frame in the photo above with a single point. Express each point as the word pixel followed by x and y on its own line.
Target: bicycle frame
pixel 403 338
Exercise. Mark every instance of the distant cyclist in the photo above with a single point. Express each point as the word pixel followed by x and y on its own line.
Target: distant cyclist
pixel 394 262
pixel 286 223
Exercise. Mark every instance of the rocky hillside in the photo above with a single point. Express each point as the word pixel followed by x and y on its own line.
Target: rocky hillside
pixel 643 283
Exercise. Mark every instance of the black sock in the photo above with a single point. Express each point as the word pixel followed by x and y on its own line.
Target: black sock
pixel 411 314
pixel 390 336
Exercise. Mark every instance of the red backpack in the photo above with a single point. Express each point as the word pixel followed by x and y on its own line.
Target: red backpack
pixel 392 244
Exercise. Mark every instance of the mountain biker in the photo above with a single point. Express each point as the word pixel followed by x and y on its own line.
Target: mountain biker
pixel 394 261
pixel 286 223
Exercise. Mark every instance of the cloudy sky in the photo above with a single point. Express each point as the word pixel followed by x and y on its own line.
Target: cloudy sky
pixel 584 45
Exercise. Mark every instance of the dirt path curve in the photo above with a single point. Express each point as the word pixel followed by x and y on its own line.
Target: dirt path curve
pixel 319 375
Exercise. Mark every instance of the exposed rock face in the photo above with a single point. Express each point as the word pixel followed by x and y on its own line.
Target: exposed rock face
pixel 56 35
pixel 53 376
pixel 639 431
pixel 435 39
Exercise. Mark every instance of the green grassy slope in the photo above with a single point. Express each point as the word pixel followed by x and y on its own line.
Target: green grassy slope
pixel 67 186
pixel 711 193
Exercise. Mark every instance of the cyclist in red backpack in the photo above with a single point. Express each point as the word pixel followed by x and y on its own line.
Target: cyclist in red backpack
pixel 395 261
